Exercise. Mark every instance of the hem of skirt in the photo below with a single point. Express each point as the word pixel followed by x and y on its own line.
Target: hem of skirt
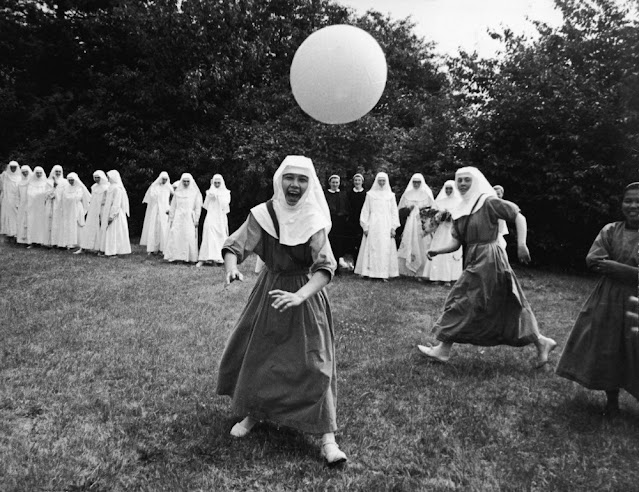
pixel 522 342
pixel 292 424
pixel 587 384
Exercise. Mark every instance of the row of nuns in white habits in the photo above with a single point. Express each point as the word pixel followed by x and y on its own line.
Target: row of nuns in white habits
pixel 427 222
pixel 172 218
pixel 55 211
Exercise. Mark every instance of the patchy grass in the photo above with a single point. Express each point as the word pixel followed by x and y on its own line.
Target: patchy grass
pixel 108 370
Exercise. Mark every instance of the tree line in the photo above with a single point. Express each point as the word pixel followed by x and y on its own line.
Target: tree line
pixel 202 86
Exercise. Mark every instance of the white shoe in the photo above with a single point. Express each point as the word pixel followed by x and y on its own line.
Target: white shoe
pixel 241 429
pixel 333 454
pixel 199 264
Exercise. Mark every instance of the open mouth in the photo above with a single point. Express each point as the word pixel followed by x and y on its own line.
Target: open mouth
pixel 292 196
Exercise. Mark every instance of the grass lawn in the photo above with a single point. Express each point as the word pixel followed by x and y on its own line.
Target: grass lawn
pixel 108 370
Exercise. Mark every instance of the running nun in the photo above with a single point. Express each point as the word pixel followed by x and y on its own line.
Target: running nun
pixel 279 362
pixel 486 306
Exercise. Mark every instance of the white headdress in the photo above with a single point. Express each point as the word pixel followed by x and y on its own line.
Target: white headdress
pixel 300 221
pixel 157 184
pixel 115 180
pixel 416 194
pixel 475 197
pixel 14 176
pixel 102 184
pixel 77 184
pixel 35 181
pixel 448 202
pixel 378 191
pixel 25 179
pixel 221 193
pixel 191 189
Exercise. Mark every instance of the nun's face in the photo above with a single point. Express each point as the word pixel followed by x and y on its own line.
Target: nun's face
pixel 163 180
pixel 294 187
pixel 13 168
pixel 416 183
pixel 448 190
pixel 186 182
pixel 334 184
pixel 96 179
pixel 500 191
pixel 71 181
pixel 217 183
pixel 38 174
pixel 358 181
pixel 381 181
pixel 630 207
pixel 464 182
pixel 25 173
pixel 57 173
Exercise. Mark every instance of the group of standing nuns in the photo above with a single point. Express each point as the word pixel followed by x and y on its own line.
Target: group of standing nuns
pixel 365 226
pixel 60 212
pixel 172 218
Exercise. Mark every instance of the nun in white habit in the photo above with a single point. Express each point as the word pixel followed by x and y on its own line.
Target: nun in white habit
pixel 74 204
pixel 414 245
pixel 156 218
pixel 216 225
pixel 10 200
pixel 377 256
pixel 114 228
pixel 58 183
pixel 21 230
pixel 90 233
pixel 37 215
pixel 446 267
pixel 184 217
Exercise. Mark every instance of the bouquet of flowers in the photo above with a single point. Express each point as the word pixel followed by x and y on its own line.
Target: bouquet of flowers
pixel 432 217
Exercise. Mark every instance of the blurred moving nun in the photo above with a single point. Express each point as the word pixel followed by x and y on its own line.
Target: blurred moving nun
pixel 377 256
pixel 75 204
pixel 216 225
pixel 114 228
pixel 487 305
pixel 184 217
pixel 446 267
pixel 415 244
pixel 21 229
pixel 10 199
pixel 156 218
pixel 58 183
pixel 37 216
pixel 90 233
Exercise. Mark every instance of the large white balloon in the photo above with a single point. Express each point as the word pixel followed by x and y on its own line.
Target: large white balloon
pixel 338 74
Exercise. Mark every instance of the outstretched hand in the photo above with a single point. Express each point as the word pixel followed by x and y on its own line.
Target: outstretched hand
pixel 233 275
pixel 282 300
pixel 431 254
pixel 523 254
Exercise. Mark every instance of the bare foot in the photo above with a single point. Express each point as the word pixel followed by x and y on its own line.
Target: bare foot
pixel 545 345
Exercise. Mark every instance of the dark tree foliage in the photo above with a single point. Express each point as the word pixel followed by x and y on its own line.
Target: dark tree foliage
pixel 556 122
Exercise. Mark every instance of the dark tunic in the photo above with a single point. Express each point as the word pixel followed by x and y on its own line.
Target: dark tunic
pixel 601 352
pixel 354 230
pixel 487 305
pixel 281 366
pixel 339 208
